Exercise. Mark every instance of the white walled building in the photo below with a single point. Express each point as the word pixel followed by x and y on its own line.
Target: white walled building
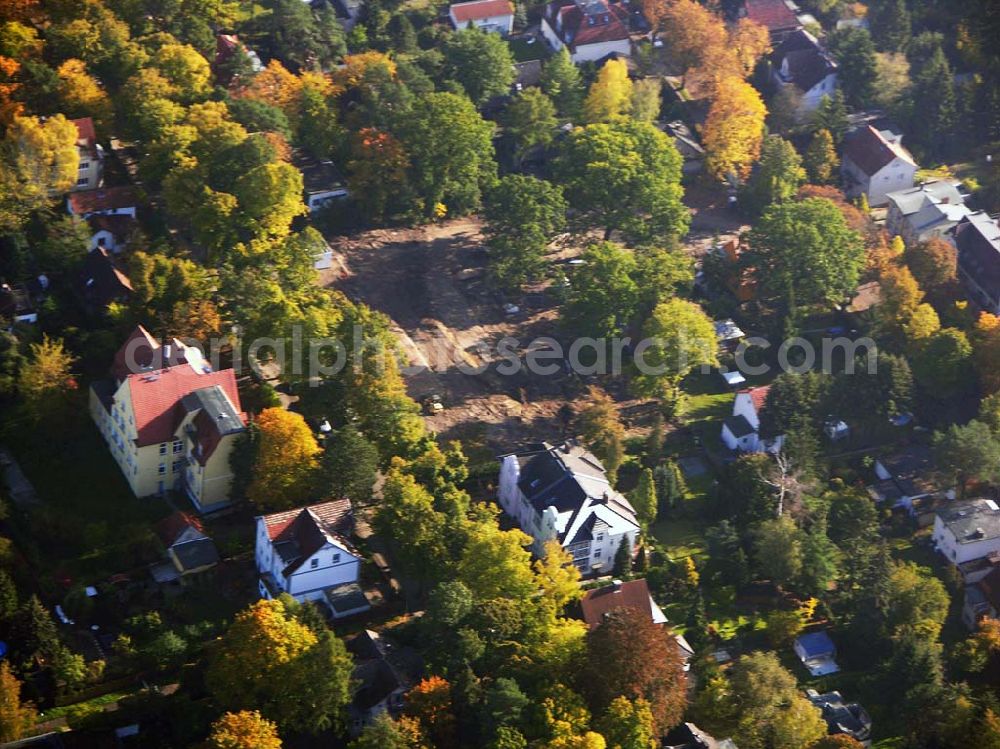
pixel 496 16
pixel 874 164
pixel 590 29
pixel 562 492
pixel 741 431
pixel 968 530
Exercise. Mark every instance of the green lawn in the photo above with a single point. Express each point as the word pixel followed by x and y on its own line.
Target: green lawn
pixel 523 51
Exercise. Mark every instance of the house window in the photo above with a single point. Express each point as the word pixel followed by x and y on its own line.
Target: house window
pixel 177 467
pixel 84 165
pixel 597 554
pixel 313 563
pixel 163 449
pixel 336 558
pixel 162 469
pixel 83 181
pixel 178 446
pixel 600 536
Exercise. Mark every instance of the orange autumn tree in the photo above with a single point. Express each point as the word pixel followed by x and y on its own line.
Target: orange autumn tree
pixel 9 106
pixel 734 129
pixel 246 729
pixel 284 471
pixel 376 170
pixel 986 352
pixel 430 703
pixel 357 68
pixel 274 85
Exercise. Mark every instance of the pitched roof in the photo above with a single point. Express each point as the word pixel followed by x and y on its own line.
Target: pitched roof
pixel 807 67
pixel 103 199
pixel 118 224
pixel 101 281
pixel 593 22
pixel 977 237
pixel 870 151
pixel 86 135
pixel 480 9
pixel 171 527
pixel 142 353
pixel 195 554
pixel 157 395
pixel 815 644
pixel 774 14
pixel 298 534
pixel 758 395
pixel 633 594
pixel 738 425
pixel 912 199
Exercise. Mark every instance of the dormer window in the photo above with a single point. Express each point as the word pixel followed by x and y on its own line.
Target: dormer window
pixel 336 558
pixel 313 563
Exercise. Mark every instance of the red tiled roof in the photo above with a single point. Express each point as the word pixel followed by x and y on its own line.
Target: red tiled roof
pixel 758 395
pixel 103 199
pixel 309 527
pixel 86 135
pixel 870 151
pixel 773 14
pixel 156 395
pixel 633 594
pixel 171 527
pixel 569 21
pixel 480 9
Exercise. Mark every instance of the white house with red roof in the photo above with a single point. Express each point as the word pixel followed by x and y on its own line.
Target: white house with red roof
pixel 741 431
pixel 170 420
pixel 589 29
pixel 90 173
pixel 779 17
pixel 875 164
pixel 107 201
pixel 489 15
pixel 305 552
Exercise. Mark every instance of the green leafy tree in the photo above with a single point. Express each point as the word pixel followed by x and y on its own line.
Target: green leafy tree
pixel 349 465
pixel 776 177
pixel 821 160
pixel 934 88
pixel 643 498
pixel 778 550
pixel 890 24
pixel 386 733
pixel 480 62
pixel 45 382
pixel 417 531
pixel 820 559
pixel 627 724
pixel 603 295
pixel 967 453
pixel 451 153
pixel 602 431
pixel 522 215
pixel 794 401
pixel 530 119
pixel 804 253
pixel 496 563
pixel 941 364
pixel 916 602
pixel 17 718
pixel 561 81
pixel 626 177
pixel 680 338
pixel 855 53
pixel 831 115
pixel 610 95
pixel 670 486
pixel 727 561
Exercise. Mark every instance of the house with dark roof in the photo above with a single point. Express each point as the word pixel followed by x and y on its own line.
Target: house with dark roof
pixel 562 492
pixel 188 550
pixel 842 717
pixel 967 530
pixel 306 553
pixel 496 16
pixel 982 597
pixel 906 475
pixel 741 431
pixel 687 145
pixel 689 736
pixel 383 673
pixel 90 172
pixel 977 238
pixel 802 61
pixel 321 180
pixel 101 282
pixel 169 427
pixel 927 211
pixel 590 29
pixel 779 17
pixel 817 653
pixel 874 164
pixel 110 231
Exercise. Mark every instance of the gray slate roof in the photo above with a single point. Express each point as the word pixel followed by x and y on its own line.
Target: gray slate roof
pixel 972 520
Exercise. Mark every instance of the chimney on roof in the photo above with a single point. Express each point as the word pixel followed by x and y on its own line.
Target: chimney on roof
pixel 946 200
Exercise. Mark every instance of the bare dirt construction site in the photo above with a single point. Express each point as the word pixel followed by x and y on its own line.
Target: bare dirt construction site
pixel 431 282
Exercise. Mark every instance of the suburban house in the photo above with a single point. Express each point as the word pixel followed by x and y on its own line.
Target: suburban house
pixel 817 653
pixel 930 209
pixel 320 179
pixel 305 553
pixel 90 172
pixel 977 237
pixel 842 717
pixel 590 29
pixel 383 674
pixel 489 15
pixel 110 231
pixel 189 551
pixel 101 282
pixel 967 530
pixel 687 146
pixel 741 431
pixel 16 305
pixel 874 164
pixel 906 475
pixel 982 598
pixel 779 17
pixel 801 61
pixel 562 492
pixel 107 201
pixel 689 736
pixel 170 420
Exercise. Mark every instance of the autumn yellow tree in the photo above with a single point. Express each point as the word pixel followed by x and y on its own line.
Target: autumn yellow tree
pixel 749 41
pixel 429 702
pixel 697 42
pixel 923 323
pixel 284 471
pixel 16 717
pixel 986 352
pixel 734 129
pixel 901 295
pixel 274 85
pixel 610 95
pixel 46 381
pixel 246 729
pixel 81 95
pixel 557 576
pixel 9 106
